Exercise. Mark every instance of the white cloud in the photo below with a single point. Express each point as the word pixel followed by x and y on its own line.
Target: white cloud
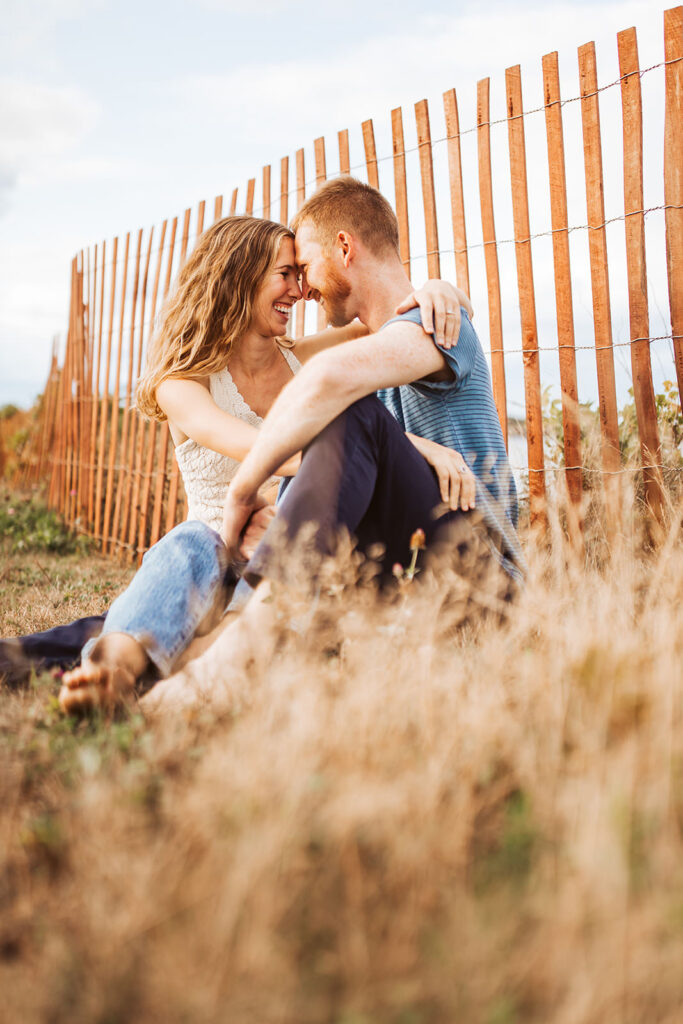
pixel 335 89
pixel 29 24
pixel 39 125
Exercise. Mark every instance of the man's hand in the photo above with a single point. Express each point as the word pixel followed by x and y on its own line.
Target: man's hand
pixel 439 304
pixel 236 515
pixel 255 529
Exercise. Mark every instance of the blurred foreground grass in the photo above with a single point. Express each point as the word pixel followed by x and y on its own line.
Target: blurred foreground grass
pixel 403 820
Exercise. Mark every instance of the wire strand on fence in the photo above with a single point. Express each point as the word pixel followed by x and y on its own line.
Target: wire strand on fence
pixel 123 394
pixel 600 471
pixel 148 324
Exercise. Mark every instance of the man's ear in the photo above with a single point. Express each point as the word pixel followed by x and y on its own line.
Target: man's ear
pixel 347 247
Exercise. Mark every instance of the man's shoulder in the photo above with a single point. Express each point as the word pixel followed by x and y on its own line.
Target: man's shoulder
pixel 413 316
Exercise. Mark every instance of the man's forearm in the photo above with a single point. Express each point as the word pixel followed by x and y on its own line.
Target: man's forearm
pixel 304 408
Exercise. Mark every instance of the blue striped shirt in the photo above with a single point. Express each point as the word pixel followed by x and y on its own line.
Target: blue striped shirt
pixel 460 413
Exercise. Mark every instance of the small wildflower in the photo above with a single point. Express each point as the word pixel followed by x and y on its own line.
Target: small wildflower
pixel 397 570
pixel 418 540
pixel 417 543
pixel 10 511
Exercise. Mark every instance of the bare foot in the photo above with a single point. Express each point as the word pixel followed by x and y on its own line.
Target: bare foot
pixel 106 679
pixel 217 674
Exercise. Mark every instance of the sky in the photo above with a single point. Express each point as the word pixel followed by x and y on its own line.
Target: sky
pixel 115 115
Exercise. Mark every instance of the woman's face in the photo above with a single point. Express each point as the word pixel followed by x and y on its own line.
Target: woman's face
pixel 277 294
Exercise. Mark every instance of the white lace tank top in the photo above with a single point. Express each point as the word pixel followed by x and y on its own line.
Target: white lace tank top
pixel 206 474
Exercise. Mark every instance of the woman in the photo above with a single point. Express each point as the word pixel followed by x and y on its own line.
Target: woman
pixel 217 363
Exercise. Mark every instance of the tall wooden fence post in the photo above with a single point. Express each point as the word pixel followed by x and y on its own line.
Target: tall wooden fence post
pixel 673 177
pixel 424 142
pixel 488 229
pixel 400 187
pixel 634 224
pixel 527 299
pixel 564 308
pixel 597 244
pixel 462 270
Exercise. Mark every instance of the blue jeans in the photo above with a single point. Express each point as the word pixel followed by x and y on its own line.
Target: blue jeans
pixel 180 590
pixel 360 474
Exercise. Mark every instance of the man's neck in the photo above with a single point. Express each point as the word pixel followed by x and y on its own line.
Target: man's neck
pixel 383 287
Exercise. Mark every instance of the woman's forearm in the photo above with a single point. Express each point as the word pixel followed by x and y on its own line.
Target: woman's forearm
pixel 306 347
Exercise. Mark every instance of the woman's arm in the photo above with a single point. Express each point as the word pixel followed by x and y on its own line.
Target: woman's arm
pixel 439 303
pixel 189 406
pixel 306 347
pixel 456 480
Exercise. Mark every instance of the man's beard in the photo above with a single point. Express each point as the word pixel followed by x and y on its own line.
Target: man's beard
pixel 337 291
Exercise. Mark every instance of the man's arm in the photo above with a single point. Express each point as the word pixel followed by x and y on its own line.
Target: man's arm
pixel 328 384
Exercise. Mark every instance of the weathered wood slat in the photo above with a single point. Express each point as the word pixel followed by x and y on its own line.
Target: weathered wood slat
pixel 96 324
pixel 300 199
pixel 673 177
pixel 462 270
pixel 139 435
pixel 251 188
pixel 122 468
pixel 634 224
pixel 527 300
pixel 133 465
pixel 172 514
pixel 344 157
pixel 104 405
pixel 162 455
pixel 400 187
pixel 147 444
pixel 597 243
pixel 370 153
pixel 564 306
pixel 284 190
pixel 488 228
pixel 424 141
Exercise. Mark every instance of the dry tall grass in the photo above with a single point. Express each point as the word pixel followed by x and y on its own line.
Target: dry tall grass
pixel 400 821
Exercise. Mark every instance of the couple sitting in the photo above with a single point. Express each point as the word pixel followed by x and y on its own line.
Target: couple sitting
pixel 389 425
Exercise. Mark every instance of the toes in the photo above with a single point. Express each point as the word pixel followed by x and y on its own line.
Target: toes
pixel 80 699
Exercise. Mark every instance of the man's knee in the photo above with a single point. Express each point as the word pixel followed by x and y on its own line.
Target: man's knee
pixel 362 422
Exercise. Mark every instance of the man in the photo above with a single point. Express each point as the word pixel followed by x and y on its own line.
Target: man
pixel 359 473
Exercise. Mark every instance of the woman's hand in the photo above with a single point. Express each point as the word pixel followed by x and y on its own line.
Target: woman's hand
pixel 457 483
pixel 255 529
pixel 439 304
pixel 237 512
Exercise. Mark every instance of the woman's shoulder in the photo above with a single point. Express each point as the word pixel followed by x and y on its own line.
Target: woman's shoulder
pixel 286 346
pixel 177 384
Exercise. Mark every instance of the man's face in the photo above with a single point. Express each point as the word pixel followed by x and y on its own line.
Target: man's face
pixel 322 277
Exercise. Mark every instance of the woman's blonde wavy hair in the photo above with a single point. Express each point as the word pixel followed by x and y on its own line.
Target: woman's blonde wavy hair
pixel 211 305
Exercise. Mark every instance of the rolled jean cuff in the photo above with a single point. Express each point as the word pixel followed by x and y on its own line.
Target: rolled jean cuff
pixel 160 658
pixel 178 586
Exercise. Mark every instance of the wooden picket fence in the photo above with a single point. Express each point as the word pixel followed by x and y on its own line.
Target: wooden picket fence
pixel 113 475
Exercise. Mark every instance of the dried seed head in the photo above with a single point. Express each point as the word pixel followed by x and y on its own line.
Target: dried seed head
pixel 417 541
